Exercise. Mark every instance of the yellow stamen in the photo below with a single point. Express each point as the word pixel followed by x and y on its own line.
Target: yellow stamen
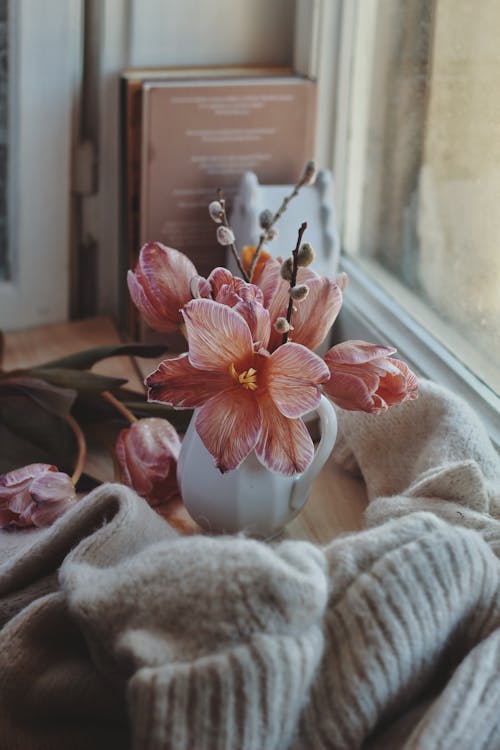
pixel 247 378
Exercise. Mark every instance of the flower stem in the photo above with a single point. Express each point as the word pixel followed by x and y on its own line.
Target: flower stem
pixel 293 280
pixel 279 213
pixel 82 448
pixel 119 406
pixel 117 472
pixel 234 251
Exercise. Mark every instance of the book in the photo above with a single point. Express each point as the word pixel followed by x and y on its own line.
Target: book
pixel 188 132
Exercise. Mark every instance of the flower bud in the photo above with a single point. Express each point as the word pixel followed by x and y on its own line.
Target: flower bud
pixel 309 173
pixel 147 452
pixel 282 325
pixel 160 285
pixel 286 270
pixel 265 218
pixel 299 292
pixel 364 377
pixel 225 236
pixel 216 211
pixel 34 496
pixel 306 255
pixel 271 234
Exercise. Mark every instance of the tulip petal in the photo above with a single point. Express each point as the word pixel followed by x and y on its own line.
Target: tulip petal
pixel 21 502
pixel 292 376
pixel 17 476
pixel 284 445
pixel 267 277
pixel 8 518
pixel 36 495
pixel 46 513
pixel 200 287
pixel 398 384
pixel 52 487
pixel 218 278
pixel 258 320
pixel 218 337
pixel 157 318
pixel 229 426
pixel 364 378
pixel 356 352
pixel 178 383
pixel 147 452
pixel 161 285
pixel 247 300
pixel 353 391
pixel 342 279
pixel 313 316
pixel 167 273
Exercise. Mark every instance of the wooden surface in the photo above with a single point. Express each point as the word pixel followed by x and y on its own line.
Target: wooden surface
pixel 37 345
pixel 337 500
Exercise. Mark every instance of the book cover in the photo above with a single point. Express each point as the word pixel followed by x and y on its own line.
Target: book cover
pixel 186 138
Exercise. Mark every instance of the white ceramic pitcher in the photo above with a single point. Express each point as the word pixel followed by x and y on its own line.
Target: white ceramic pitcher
pixel 250 498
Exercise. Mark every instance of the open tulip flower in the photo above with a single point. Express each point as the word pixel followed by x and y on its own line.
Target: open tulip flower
pixel 165 280
pixel 246 299
pixel 34 495
pixel 314 316
pixel 364 377
pixel 248 398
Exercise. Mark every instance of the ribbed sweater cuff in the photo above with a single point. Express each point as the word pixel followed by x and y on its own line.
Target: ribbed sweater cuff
pixel 249 697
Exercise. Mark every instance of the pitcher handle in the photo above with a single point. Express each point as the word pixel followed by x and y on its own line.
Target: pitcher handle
pixel 328 422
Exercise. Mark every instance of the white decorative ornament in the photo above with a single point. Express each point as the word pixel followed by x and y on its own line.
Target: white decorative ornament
pixel 313 204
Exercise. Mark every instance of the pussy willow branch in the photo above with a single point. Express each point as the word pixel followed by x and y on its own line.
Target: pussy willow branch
pixel 82 448
pixel 234 251
pixel 279 213
pixel 293 280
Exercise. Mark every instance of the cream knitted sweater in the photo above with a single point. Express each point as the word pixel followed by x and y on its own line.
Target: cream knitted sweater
pixel 386 638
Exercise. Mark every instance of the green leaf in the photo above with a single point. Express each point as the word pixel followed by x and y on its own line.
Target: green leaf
pixel 85 359
pixel 91 409
pixel 55 400
pixel 16 452
pixel 33 424
pixel 178 418
pixel 79 380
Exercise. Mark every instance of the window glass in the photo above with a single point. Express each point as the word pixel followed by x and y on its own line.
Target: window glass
pixel 429 193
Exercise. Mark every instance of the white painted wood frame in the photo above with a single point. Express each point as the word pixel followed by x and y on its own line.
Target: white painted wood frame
pixel 341 61
pixel 44 75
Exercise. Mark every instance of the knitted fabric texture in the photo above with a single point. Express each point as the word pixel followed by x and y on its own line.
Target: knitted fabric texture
pixel 388 638
pixel 431 454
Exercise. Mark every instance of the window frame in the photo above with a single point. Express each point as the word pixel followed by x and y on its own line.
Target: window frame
pixel 370 311
pixel 44 76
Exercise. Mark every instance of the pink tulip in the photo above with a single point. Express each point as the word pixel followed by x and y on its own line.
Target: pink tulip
pixel 365 378
pixel 161 285
pixel 247 398
pixel 147 452
pixel 245 299
pixel 34 496
pixel 313 317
